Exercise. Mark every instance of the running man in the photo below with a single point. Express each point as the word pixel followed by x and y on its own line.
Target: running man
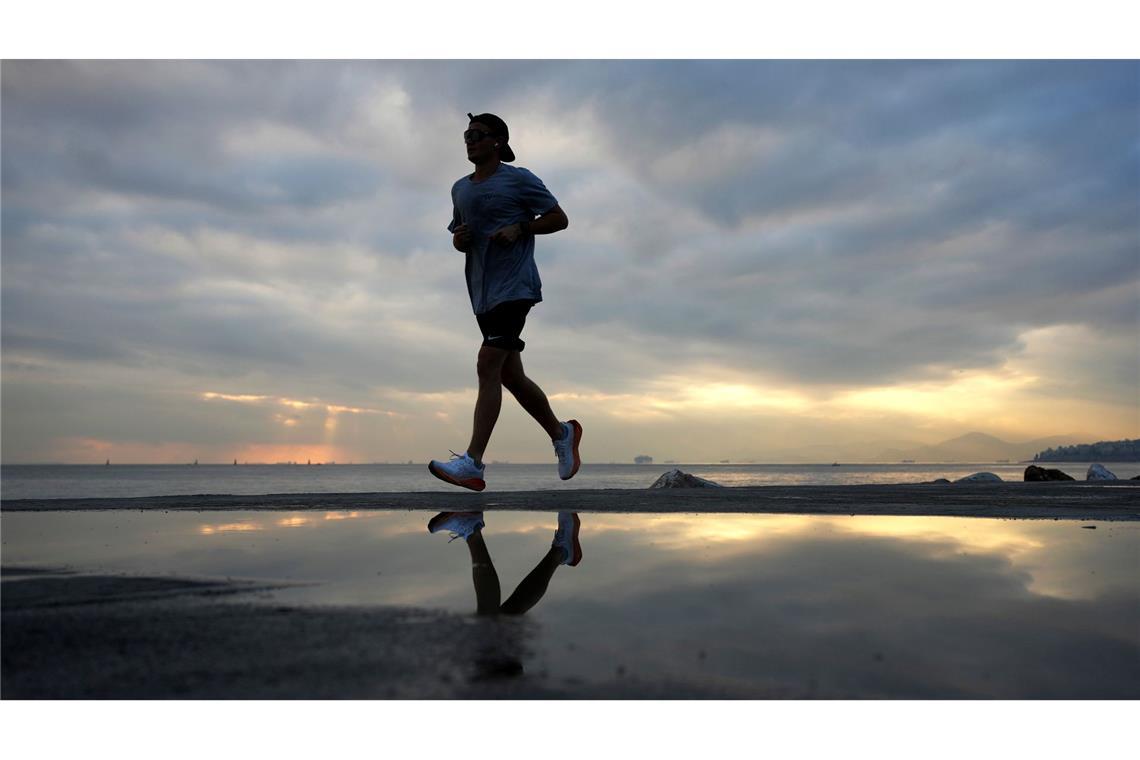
pixel 494 222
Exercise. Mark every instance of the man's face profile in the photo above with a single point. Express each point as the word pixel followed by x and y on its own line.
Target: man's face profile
pixel 480 142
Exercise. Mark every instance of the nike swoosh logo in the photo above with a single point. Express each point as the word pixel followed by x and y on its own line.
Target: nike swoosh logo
pixel 495 337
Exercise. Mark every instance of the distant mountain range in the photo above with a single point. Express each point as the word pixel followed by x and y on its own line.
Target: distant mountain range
pixel 977 447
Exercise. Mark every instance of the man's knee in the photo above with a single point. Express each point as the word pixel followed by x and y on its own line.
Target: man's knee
pixel 489 365
pixel 513 377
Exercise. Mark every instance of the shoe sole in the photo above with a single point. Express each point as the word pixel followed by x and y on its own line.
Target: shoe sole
pixel 577 439
pixel 475 484
pixel 576 556
pixel 433 523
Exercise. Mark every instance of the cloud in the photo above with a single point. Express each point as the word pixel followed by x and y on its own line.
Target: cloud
pixel 809 227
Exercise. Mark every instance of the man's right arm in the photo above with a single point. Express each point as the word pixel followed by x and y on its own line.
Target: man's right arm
pixel 460 233
pixel 461 238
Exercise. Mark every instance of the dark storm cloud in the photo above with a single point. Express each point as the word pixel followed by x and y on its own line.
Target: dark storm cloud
pixel 973 200
pixel 156 134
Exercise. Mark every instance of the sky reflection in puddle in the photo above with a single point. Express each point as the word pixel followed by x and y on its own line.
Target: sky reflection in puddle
pixel 781 605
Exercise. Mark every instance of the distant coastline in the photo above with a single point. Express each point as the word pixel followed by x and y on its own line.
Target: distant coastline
pixel 1102 451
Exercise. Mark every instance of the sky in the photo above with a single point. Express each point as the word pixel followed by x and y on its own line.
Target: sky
pixel 766 260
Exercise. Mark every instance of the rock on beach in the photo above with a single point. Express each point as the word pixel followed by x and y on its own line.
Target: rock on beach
pixel 1033 473
pixel 980 477
pixel 677 479
pixel 1099 472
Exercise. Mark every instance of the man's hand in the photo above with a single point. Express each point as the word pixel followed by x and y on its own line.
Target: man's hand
pixel 507 235
pixel 461 238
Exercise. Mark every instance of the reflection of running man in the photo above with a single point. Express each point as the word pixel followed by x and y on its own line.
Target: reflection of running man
pixel 493 223
pixel 564 550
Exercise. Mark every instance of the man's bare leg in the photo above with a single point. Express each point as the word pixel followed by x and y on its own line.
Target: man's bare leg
pixel 529 395
pixel 532 587
pixel 489 369
pixel 487 594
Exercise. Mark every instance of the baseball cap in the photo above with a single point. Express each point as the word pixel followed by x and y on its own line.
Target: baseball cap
pixel 499 129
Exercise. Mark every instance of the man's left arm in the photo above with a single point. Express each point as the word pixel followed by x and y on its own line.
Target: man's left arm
pixel 552 221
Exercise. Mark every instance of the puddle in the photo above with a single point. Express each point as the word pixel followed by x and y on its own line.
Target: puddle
pixel 746 605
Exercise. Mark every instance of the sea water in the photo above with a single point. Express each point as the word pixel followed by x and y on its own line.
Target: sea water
pixel 124 481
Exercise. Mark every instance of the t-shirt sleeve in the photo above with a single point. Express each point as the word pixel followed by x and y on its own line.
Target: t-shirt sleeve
pixel 533 194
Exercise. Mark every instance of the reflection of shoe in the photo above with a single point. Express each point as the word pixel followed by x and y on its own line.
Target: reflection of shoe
pixel 566 538
pixel 567 449
pixel 459 524
pixel 460 471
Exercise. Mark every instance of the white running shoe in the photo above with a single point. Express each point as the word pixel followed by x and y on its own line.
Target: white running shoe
pixel 458 524
pixel 566 449
pixel 566 538
pixel 460 471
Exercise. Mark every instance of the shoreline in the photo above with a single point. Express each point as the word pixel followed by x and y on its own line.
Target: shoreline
pixel 1075 500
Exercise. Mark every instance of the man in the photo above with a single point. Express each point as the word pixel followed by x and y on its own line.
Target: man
pixel 494 222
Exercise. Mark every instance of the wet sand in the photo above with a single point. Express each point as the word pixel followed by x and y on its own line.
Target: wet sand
pixel 69 636
pixel 1110 500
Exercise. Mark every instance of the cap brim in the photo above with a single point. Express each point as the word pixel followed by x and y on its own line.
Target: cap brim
pixel 506 154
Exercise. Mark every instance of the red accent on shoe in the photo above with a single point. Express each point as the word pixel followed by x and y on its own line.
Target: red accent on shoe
pixel 433 522
pixel 577 439
pixel 475 484
pixel 577 555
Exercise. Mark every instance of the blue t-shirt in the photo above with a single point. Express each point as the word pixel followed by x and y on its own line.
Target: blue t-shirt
pixel 497 272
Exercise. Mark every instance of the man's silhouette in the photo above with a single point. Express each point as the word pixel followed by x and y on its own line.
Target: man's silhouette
pixel 496 212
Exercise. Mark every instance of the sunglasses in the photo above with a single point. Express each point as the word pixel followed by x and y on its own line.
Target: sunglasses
pixel 475 135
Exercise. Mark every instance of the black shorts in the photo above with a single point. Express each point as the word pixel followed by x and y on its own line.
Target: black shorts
pixel 502 325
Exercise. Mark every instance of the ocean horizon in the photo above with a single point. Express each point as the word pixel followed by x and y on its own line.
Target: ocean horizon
pixel 77 481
